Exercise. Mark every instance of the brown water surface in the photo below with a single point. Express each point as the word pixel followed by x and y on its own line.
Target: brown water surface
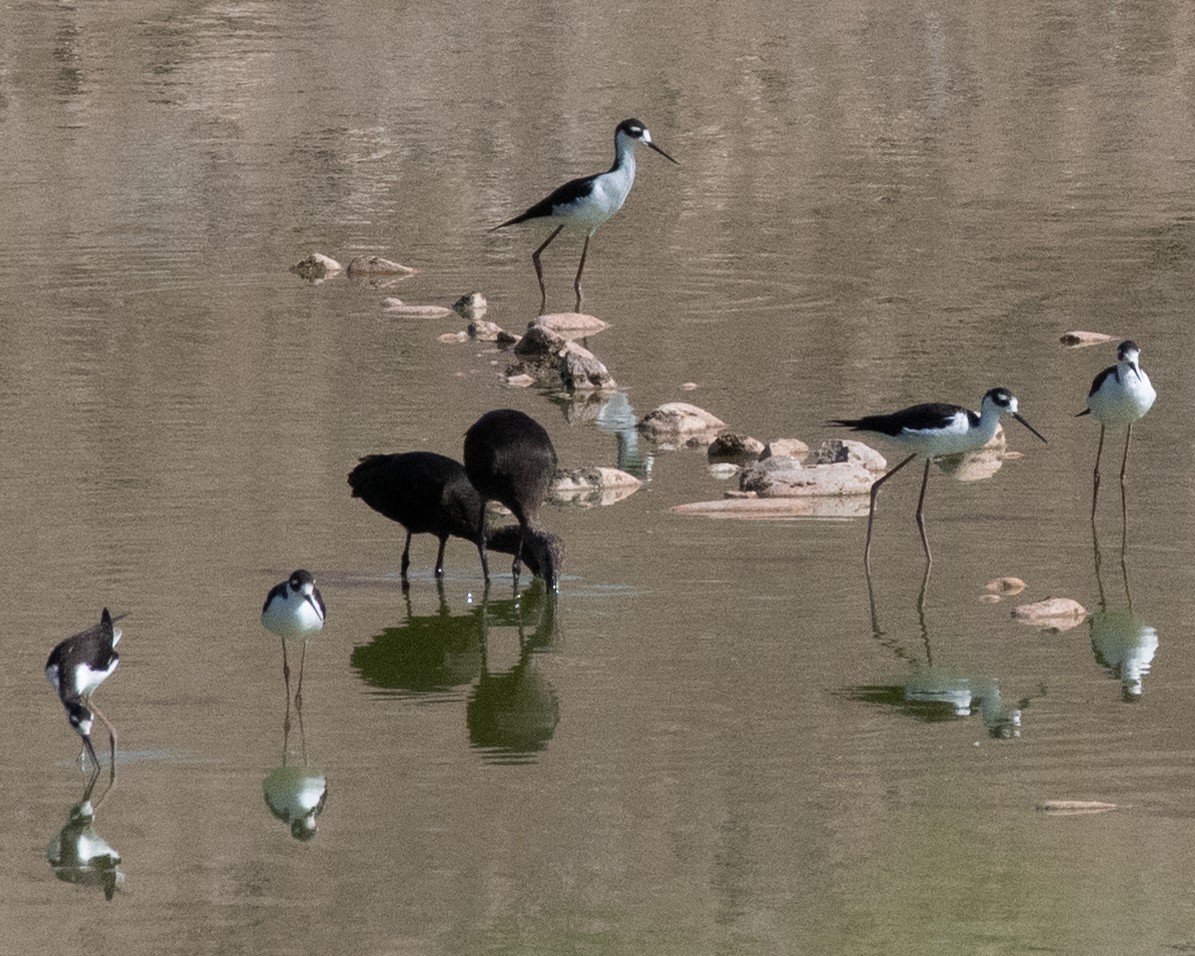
pixel 716 739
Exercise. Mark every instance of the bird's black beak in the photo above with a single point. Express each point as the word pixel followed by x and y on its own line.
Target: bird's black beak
pixel 91 752
pixel 1019 418
pixel 1136 371
pixel 660 151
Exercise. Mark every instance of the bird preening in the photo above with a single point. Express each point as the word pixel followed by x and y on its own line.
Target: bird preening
pixel 930 431
pixel 587 202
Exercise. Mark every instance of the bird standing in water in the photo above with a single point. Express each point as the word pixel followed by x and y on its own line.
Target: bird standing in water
pixel 294 608
pixel 76 668
pixel 509 458
pixel 428 493
pixel 930 431
pixel 1119 395
pixel 588 202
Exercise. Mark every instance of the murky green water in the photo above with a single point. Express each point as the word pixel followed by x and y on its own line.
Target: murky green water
pixel 717 738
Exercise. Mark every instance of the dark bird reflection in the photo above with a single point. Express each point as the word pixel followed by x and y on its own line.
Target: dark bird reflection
pixel 934 693
pixel 1121 641
pixel 296 791
pixel 511 714
pixel 78 854
pixel 426 655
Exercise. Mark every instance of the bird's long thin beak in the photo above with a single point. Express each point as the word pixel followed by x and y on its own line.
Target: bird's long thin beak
pixel 1020 418
pixel 660 151
pixel 310 599
pixel 1136 371
pixel 91 752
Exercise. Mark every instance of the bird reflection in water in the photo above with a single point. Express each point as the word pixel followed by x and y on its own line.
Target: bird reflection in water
pixel 78 854
pixel 934 693
pixel 296 791
pixel 512 714
pixel 1121 642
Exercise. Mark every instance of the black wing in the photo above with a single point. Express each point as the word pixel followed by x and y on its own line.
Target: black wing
pixel 914 418
pixel 570 192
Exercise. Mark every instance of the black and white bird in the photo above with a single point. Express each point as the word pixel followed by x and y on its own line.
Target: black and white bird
pixel 1119 395
pixel 428 493
pixel 509 458
pixel 587 202
pixel 294 608
pixel 930 431
pixel 76 668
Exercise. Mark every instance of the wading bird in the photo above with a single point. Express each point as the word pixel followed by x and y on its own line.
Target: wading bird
pixel 428 493
pixel 509 458
pixel 76 668
pixel 930 431
pixel 588 202
pixel 1119 395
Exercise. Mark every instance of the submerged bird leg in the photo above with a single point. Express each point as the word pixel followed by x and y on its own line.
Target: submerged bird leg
pixel 485 563
pixel 440 556
pixel 517 565
pixel 539 271
pixel 875 490
pixel 406 557
pixel 1095 477
pixel 929 558
pixel 580 269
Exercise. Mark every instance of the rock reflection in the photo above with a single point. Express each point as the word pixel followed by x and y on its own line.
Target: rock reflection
pixel 1121 641
pixel 78 854
pixel 295 791
pixel 513 714
pixel 933 693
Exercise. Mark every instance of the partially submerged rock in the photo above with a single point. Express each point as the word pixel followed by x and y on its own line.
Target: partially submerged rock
pixel 841 450
pixel 377 266
pixel 553 360
pixel 571 325
pixel 1059 614
pixel 485 331
pixel 773 509
pixel 680 422
pixel 593 486
pixel 1006 585
pixel 1078 339
pixel 1069 808
pixel 410 310
pixel 731 446
pixel 778 477
pixel 316 266
pixel 785 447
pixel 471 306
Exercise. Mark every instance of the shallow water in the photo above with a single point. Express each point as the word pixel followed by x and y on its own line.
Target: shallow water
pixel 718 738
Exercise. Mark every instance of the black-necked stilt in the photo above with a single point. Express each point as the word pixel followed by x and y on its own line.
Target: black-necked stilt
pixel 588 202
pixel 76 668
pixel 509 458
pixel 428 493
pixel 294 608
pixel 1119 395
pixel 930 431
